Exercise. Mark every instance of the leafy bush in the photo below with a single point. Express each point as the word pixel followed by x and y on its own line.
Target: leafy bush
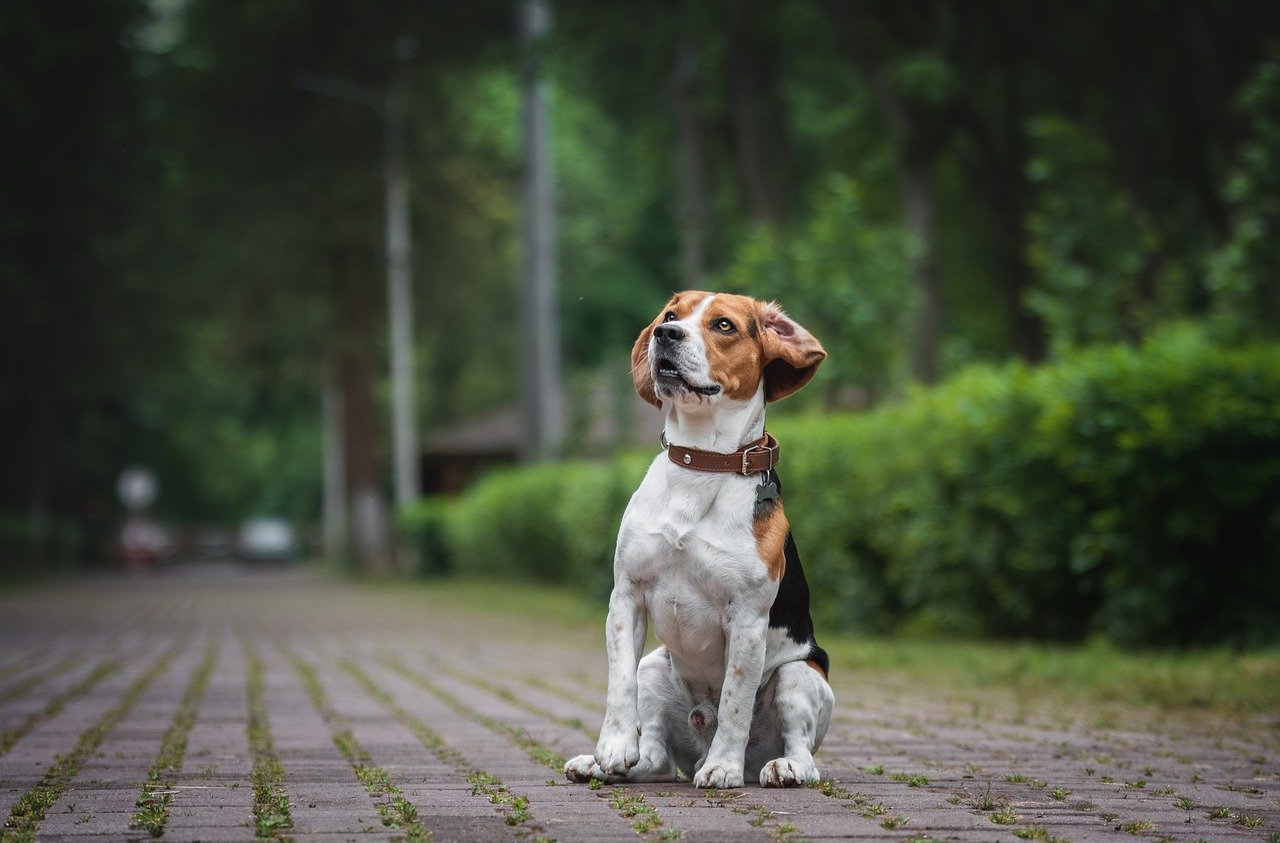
pixel 425 526
pixel 57 549
pixel 1132 493
pixel 555 523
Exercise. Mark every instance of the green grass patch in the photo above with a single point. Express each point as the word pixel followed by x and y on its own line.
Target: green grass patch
pixel 271 814
pixel 1004 816
pixel 157 792
pixel 31 809
pixel 911 779
pixel 1211 680
pixel 1138 827
pixel 632 806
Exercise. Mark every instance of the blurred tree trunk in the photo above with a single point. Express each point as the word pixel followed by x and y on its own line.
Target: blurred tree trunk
pixel 356 341
pixel 996 168
pixel 42 447
pixel 919 143
pixel 692 158
pixel 1133 156
pixel 919 193
pixel 752 111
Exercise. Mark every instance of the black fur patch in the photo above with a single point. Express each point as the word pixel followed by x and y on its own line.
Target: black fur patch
pixel 790 610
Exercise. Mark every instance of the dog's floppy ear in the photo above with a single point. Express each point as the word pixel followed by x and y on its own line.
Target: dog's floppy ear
pixel 791 353
pixel 641 374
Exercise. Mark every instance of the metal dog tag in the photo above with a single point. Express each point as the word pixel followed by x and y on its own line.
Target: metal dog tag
pixel 766 492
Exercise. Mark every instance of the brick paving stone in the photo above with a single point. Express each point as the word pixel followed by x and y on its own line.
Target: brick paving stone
pixel 325 796
pixel 1086 774
pixel 115 773
pixel 496 754
pixel 213 790
pixel 24 765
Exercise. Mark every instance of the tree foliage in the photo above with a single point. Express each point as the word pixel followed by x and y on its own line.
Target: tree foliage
pixel 192 242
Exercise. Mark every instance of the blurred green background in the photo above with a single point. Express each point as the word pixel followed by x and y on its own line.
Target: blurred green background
pixel 1041 242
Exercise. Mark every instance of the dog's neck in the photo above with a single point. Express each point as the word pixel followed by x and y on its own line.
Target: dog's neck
pixel 723 428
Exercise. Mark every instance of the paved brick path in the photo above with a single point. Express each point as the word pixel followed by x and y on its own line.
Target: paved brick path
pixel 216 705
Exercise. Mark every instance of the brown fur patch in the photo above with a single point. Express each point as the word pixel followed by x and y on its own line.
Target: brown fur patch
pixel 791 353
pixel 816 667
pixel 770 531
pixel 641 375
pixel 765 344
pixel 736 359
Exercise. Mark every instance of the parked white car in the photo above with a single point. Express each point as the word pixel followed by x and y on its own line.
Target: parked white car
pixel 266 539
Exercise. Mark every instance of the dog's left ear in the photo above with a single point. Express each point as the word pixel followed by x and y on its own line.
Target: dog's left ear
pixel 641 374
pixel 791 353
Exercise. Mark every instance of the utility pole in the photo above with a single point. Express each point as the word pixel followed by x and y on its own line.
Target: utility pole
pixel 541 358
pixel 400 283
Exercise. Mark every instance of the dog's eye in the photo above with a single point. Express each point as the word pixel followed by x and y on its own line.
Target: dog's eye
pixel 724 326
pixel 670 317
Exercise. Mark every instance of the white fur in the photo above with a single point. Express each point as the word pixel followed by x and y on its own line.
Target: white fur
pixel 725 697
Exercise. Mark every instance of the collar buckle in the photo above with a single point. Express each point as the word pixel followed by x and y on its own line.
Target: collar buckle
pixel 769 449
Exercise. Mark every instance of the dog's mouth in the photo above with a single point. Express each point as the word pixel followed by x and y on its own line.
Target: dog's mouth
pixel 668 377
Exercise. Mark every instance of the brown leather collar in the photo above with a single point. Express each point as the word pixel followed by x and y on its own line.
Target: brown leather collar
pixel 749 459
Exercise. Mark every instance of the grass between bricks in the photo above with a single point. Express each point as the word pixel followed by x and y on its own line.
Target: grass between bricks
pixel 643 820
pixel 514 807
pixel 507 696
pixel 536 751
pixel 270 801
pixel 1216 681
pixel 38 678
pixel 863 805
pixel 397 813
pixel 31 809
pixel 152 812
pixel 9 737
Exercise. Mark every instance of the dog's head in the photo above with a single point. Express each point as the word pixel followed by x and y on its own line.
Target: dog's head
pixel 704 347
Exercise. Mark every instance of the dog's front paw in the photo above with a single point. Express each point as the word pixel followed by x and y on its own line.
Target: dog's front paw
pixel 583 769
pixel 616 754
pixel 786 772
pixel 719 775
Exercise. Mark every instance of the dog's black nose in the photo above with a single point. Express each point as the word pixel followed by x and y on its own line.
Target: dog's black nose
pixel 667 334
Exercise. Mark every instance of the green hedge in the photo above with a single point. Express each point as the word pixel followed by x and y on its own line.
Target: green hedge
pixel 1132 493
pixel 555 523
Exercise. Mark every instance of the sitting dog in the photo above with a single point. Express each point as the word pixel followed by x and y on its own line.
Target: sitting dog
pixel 739 686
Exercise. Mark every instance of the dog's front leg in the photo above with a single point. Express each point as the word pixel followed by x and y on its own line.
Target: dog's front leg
pixel 618 749
pixel 744 663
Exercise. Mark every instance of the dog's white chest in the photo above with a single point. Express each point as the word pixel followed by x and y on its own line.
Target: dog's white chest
pixel 686 540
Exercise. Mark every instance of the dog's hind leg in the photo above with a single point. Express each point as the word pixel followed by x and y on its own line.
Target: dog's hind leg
pixel 804 701
pixel 659 695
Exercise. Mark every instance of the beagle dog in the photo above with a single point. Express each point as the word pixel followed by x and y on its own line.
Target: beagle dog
pixel 738 688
